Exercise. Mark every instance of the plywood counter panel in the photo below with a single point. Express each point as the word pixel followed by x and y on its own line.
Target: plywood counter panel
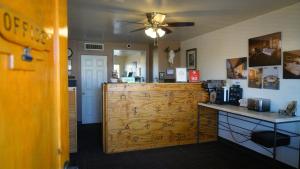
pixel 73 119
pixel 208 130
pixel 150 115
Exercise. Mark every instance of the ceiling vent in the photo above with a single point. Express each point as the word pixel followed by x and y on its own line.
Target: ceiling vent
pixel 94 46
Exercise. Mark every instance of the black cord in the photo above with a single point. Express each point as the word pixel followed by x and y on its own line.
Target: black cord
pixel 243 135
pixel 231 133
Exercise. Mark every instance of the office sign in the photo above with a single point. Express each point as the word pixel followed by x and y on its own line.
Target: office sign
pixel 15 29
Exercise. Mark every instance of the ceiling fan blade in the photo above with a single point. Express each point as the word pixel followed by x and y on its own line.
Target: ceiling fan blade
pixel 180 24
pixel 149 17
pixel 167 30
pixel 139 29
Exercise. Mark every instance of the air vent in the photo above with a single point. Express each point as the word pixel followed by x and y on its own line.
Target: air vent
pixel 94 46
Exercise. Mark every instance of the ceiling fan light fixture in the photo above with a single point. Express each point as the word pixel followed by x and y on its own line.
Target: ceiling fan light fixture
pixel 160 32
pixel 157 27
pixel 150 32
pixel 154 33
pixel 159 18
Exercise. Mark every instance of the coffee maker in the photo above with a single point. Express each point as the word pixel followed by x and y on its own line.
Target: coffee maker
pixel 214 87
pixel 235 94
pixel 222 95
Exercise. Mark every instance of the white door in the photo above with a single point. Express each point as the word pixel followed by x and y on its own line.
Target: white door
pixel 93 74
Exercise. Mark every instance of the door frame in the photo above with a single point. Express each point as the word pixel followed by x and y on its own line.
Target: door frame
pixel 81 89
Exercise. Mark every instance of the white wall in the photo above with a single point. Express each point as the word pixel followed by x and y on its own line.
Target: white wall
pixel 155 64
pixel 230 42
pixel 215 47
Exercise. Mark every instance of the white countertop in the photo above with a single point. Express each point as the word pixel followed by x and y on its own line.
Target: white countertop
pixel 267 116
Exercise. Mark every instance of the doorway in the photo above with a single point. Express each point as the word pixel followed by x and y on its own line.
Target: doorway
pixel 93 75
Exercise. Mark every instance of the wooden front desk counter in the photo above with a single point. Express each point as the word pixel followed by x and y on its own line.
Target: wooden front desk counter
pixel 150 115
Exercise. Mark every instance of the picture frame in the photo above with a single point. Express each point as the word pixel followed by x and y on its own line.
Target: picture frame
pixel 291 64
pixel 236 68
pixel 181 75
pixel 170 72
pixel 255 78
pixel 271 79
pixel 265 50
pixel 161 75
pixel 191 58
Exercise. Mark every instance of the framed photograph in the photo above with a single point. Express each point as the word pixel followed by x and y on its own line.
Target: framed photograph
pixel 181 75
pixel 191 58
pixel 170 72
pixel 236 68
pixel 255 78
pixel 271 78
pixel 291 64
pixel 161 75
pixel 265 50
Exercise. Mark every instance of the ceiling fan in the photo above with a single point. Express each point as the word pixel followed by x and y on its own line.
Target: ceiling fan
pixel 156 26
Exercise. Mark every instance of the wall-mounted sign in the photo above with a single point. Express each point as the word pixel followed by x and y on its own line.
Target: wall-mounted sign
pixel 21 31
pixel 194 75
pixel 181 75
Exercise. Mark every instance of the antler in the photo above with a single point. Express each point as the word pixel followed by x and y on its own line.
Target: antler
pixel 177 50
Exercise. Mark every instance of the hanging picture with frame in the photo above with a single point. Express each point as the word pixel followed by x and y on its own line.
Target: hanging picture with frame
pixel 265 50
pixel 191 58
pixel 161 75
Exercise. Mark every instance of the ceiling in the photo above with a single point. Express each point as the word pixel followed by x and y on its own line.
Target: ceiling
pixel 101 20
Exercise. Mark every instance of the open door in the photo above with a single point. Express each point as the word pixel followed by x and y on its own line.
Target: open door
pixel 33 84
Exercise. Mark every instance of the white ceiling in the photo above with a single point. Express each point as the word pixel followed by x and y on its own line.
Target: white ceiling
pixel 99 20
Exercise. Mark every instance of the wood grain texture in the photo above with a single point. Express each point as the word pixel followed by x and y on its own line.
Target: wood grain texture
pixel 208 130
pixel 143 116
pixel 73 119
pixel 33 104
